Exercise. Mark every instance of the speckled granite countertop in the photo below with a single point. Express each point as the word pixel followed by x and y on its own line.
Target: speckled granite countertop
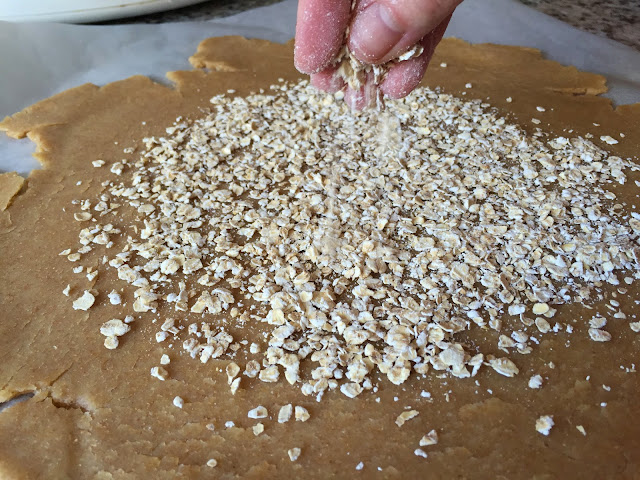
pixel 616 19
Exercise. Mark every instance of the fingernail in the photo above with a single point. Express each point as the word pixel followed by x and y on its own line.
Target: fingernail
pixel 363 98
pixel 328 81
pixel 374 33
pixel 354 99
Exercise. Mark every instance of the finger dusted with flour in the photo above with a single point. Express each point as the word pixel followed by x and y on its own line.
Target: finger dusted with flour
pixel 382 30
pixel 320 30
pixel 405 76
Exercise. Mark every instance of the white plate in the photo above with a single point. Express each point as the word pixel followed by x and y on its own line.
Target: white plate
pixel 79 11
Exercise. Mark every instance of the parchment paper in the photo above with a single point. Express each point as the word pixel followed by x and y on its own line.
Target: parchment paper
pixel 39 60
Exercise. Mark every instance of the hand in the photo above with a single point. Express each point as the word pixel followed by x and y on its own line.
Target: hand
pixel 380 31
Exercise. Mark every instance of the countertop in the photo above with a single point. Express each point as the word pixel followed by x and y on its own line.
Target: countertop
pixel 616 19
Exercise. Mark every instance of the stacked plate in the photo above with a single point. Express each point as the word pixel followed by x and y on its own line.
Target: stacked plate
pixel 81 11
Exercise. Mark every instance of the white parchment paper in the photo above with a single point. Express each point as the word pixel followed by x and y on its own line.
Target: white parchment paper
pixel 39 60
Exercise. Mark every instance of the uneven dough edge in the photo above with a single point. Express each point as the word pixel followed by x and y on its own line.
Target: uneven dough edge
pixel 10 185
pixel 487 64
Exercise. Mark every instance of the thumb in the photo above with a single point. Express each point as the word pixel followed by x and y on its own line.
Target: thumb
pixel 384 29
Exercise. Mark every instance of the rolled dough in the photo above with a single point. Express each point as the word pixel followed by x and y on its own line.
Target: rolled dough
pixel 97 413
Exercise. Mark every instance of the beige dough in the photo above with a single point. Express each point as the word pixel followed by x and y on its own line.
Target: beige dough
pixel 97 413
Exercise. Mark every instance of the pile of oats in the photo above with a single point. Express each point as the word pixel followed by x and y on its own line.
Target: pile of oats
pixel 361 253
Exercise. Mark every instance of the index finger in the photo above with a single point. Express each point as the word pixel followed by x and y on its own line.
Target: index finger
pixel 320 29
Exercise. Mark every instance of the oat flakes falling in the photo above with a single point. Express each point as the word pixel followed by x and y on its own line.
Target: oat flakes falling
pixel 285 208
